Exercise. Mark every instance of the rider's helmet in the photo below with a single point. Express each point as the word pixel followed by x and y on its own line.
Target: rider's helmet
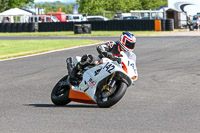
pixel 127 41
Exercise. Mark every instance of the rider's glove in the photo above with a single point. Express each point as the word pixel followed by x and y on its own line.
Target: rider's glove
pixel 100 56
pixel 108 55
pixel 87 58
pixel 117 59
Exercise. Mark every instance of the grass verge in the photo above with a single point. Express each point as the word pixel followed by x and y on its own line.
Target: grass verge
pixel 94 33
pixel 16 48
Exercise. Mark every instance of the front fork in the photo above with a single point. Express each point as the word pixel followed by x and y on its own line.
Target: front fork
pixel 107 89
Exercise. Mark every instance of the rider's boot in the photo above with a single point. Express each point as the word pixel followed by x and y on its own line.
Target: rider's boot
pixel 72 71
pixel 74 78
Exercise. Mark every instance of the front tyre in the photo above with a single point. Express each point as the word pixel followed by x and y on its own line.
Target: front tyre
pixel 60 93
pixel 114 98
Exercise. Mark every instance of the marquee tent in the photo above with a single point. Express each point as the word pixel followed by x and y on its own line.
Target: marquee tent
pixel 15 12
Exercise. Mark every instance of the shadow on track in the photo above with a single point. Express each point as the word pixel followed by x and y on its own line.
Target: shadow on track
pixel 66 106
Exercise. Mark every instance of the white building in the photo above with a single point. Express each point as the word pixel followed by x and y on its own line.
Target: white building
pixel 191 7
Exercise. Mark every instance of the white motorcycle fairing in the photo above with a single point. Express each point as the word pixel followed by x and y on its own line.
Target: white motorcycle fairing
pixel 93 76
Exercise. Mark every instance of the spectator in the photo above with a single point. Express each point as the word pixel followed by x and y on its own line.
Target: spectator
pixel 116 17
pixel 197 23
pixel 5 20
pixel 190 23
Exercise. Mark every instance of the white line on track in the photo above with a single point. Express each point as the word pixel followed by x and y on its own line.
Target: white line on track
pixel 48 52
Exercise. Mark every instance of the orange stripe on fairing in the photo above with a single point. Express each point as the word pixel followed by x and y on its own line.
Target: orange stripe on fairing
pixel 124 67
pixel 81 97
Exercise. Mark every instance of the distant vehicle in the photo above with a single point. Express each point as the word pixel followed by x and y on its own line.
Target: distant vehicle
pixel 130 17
pixel 75 18
pixel 43 18
pixel 69 17
pixel 122 15
pixel 97 18
pixel 151 18
pixel 61 16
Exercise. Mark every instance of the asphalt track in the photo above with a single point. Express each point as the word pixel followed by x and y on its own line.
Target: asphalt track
pixel 165 99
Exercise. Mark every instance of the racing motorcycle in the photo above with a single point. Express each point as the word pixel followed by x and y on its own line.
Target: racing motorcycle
pixel 103 84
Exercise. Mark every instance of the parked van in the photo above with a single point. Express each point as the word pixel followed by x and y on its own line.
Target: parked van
pixel 43 18
pixel 97 18
pixel 61 16
pixel 75 18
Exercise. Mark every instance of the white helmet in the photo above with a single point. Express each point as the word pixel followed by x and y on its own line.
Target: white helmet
pixel 127 41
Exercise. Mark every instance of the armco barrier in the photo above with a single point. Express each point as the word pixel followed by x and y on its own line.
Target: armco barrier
pixel 112 25
pixel 13 27
pixel 17 27
pixel 7 27
pixel 2 27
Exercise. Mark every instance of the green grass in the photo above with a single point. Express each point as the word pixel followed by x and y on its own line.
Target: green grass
pixel 94 33
pixel 15 48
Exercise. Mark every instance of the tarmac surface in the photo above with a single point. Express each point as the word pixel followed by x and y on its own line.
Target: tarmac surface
pixel 182 33
pixel 165 99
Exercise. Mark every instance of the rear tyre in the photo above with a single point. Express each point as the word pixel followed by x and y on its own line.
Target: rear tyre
pixel 60 93
pixel 114 98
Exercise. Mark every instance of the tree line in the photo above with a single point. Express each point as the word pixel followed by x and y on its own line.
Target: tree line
pixel 117 6
pixel 7 4
pixel 89 6
pixel 53 7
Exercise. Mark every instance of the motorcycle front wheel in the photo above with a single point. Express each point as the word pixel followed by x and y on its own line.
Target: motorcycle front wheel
pixel 60 92
pixel 114 98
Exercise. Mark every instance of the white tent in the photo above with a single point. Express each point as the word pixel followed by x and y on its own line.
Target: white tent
pixel 16 12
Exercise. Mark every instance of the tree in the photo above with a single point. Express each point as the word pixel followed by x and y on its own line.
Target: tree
pixel 53 7
pixel 123 5
pixel 7 4
pixel 152 4
pixel 91 6
pixel 99 6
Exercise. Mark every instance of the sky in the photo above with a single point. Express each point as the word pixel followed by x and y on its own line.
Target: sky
pixel 65 1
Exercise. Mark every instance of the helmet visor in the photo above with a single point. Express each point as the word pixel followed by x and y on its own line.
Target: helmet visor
pixel 130 45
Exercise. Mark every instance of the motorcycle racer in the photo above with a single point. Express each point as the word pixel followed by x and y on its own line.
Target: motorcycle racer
pixel 110 49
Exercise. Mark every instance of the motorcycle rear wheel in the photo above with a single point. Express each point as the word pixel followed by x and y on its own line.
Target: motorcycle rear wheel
pixel 114 98
pixel 60 92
